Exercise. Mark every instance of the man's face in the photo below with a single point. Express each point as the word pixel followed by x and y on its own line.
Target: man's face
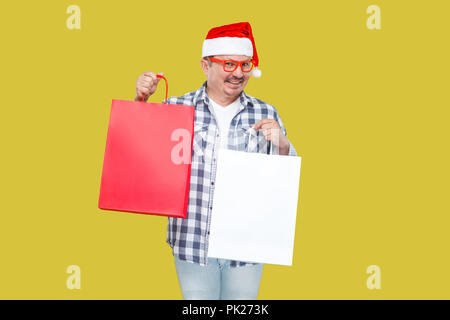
pixel 222 83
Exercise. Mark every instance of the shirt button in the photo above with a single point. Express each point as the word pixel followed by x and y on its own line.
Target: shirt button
pixel 212 182
pixel 210 208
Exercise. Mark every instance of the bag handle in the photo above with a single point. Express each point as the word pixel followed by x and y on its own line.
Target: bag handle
pixel 167 88
pixel 252 132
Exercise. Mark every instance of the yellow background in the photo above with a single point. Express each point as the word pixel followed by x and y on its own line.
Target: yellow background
pixel 366 109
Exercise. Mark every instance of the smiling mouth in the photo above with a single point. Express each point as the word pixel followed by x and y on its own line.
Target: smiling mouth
pixel 235 82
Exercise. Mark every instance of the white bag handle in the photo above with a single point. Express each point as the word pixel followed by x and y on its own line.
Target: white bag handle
pixel 252 132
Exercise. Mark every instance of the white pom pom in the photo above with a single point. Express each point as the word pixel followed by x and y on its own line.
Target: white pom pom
pixel 256 73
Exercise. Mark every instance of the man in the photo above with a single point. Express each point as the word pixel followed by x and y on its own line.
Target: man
pixel 224 116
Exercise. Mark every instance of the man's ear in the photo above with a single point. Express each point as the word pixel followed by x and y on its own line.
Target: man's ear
pixel 204 65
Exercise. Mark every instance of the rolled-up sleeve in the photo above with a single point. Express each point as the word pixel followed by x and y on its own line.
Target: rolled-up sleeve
pixel 292 151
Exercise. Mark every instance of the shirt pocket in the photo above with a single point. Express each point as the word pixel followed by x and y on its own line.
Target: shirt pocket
pixel 199 143
pixel 238 138
pixel 243 137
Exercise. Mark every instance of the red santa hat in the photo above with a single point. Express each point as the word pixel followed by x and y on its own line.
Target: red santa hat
pixel 232 39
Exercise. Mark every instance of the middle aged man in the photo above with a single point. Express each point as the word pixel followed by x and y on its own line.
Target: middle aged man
pixel 224 116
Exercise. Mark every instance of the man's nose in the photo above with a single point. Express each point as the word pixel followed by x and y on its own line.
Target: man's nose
pixel 238 72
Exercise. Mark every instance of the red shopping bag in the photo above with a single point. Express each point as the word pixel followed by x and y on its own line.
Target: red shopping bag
pixel 139 174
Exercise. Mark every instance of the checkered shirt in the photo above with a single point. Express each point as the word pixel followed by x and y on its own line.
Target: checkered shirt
pixel 189 237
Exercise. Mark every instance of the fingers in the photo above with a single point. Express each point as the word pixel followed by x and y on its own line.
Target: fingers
pixel 275 136
pixel 151 78
pixel 266 124
pixel 259 124
pixel 147 83
pixel 272 132
pixel 141 92
pixel 148 79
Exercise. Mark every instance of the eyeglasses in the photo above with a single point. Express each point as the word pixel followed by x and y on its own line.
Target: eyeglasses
pixel 232 65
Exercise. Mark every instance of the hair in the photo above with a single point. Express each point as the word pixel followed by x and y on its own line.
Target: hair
pixel 209 61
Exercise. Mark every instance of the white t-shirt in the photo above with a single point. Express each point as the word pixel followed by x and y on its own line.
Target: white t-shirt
pixel 224 115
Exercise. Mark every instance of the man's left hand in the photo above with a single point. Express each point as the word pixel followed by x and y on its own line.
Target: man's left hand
pixel 272 132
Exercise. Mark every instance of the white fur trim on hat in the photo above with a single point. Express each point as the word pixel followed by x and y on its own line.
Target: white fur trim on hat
pixel 256 72
pixel 228 46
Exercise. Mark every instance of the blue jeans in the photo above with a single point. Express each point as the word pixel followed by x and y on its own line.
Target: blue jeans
pixel 217 281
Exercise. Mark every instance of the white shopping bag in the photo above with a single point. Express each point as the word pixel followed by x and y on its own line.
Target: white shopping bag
pixel 254 207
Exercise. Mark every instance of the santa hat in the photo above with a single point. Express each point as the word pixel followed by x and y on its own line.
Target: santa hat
pixel 232 39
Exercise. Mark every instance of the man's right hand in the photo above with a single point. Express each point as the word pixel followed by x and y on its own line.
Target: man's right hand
pixel 146 85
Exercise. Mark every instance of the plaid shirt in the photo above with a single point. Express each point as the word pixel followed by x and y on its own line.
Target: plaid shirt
pixel 189 237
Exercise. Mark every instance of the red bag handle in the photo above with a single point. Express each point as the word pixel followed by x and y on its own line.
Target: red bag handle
pixel 167 88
